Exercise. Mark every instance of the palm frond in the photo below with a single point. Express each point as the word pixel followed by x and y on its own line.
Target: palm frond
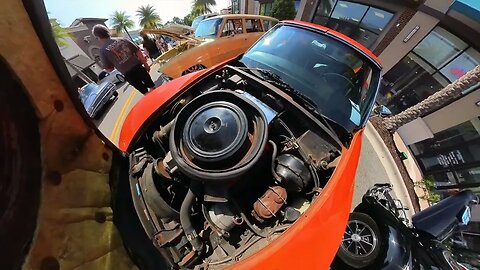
pixel 120 21
pixel 60 34
pixel 148 16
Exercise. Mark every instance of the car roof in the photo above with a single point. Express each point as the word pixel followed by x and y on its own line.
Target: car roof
pixel 339 35
pixel 239 16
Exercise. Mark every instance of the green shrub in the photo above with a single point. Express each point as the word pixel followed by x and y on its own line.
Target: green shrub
pixel 284 9
pixel 428 183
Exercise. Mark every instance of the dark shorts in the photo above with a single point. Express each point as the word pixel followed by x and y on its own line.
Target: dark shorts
pixel 139 78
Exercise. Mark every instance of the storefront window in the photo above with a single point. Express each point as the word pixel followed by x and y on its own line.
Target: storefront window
pixel 235 6
pixel 325 8
pixel 413 80
pixel 376 19
pixel 461 65
pixel 439 59
pixel 439 47
pixel 266 9
pixel 452 156
pixel 360 22
pixel 348 11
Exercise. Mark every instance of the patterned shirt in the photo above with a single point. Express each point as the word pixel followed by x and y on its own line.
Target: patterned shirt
pixel 119 53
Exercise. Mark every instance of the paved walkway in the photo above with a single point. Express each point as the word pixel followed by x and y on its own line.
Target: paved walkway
pixel 377 166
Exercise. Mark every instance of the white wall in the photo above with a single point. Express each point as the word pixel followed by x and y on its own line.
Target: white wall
pixel 455 113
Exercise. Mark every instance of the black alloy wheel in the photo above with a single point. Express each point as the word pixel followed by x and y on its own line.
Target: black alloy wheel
pixel 361 241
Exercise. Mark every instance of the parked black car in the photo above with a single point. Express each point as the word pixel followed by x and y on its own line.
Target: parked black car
pixel 94 97
pixel 379 235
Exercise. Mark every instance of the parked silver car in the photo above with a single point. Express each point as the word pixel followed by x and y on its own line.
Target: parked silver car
pixel 114 77
pixel 95 96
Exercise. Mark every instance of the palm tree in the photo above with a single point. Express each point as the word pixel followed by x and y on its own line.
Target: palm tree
pixel 435 101
pixel 120 21
pixel 60 34
pixel 148 16
pixel 203 6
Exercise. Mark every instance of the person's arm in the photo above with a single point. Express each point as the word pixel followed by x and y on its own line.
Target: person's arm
pixel 139 54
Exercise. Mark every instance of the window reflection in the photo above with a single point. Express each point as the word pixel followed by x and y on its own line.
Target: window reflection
pixel 360 22
pixel 266 9
pixel 439 59
pixel 461 65
pixel 376 19
pixel 349 11
pixel 452 156
pixel 325 7
pixel 439 47
pixel 409 82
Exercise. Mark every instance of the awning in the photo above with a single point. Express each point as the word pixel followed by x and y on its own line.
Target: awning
pixel 79 62
pixel 469 8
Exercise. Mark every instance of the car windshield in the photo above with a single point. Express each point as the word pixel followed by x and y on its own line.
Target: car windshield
pixel 87 94
pixel 208 28
pixel 337 78
pixel 197 21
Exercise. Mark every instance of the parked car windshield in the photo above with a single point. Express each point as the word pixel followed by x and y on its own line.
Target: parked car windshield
pixel 337 78
pixel 208 28
pixel 197 21
pixel 87 91
pixel 88 94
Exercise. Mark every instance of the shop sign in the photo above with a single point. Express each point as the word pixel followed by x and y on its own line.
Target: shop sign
pixel 452 158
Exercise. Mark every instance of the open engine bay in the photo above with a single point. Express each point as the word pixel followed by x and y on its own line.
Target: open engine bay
pixel 226 167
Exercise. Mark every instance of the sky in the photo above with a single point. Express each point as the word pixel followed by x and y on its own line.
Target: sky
pixel 66 11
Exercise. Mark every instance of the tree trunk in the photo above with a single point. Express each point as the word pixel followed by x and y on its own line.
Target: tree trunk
pixel 434 101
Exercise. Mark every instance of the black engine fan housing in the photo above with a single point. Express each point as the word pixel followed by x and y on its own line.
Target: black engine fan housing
pixel 218 136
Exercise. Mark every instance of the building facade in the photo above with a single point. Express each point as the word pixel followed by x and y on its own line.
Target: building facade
pixel 81 30
pixel 423 46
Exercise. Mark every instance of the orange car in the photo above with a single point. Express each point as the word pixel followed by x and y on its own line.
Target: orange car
pixel 223 37
pixel 250 164
pixel 66 191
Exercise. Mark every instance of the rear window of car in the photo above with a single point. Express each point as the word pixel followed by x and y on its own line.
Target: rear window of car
pixel 253 25
pixel 208 28
pixel 267 24
pixel 232 26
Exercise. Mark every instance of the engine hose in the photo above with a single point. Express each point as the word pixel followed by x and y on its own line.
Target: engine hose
pixel 274 156
pixel 316 180
pixel 313 171
pixel 185 220
pixel 254 229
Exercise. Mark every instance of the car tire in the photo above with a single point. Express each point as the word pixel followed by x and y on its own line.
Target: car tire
pixel 136 242
pixel 120 78
pixel 360 245
pixel 21 165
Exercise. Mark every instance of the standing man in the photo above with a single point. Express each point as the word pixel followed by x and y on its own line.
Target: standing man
pixel 150 46
pixel 126 57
